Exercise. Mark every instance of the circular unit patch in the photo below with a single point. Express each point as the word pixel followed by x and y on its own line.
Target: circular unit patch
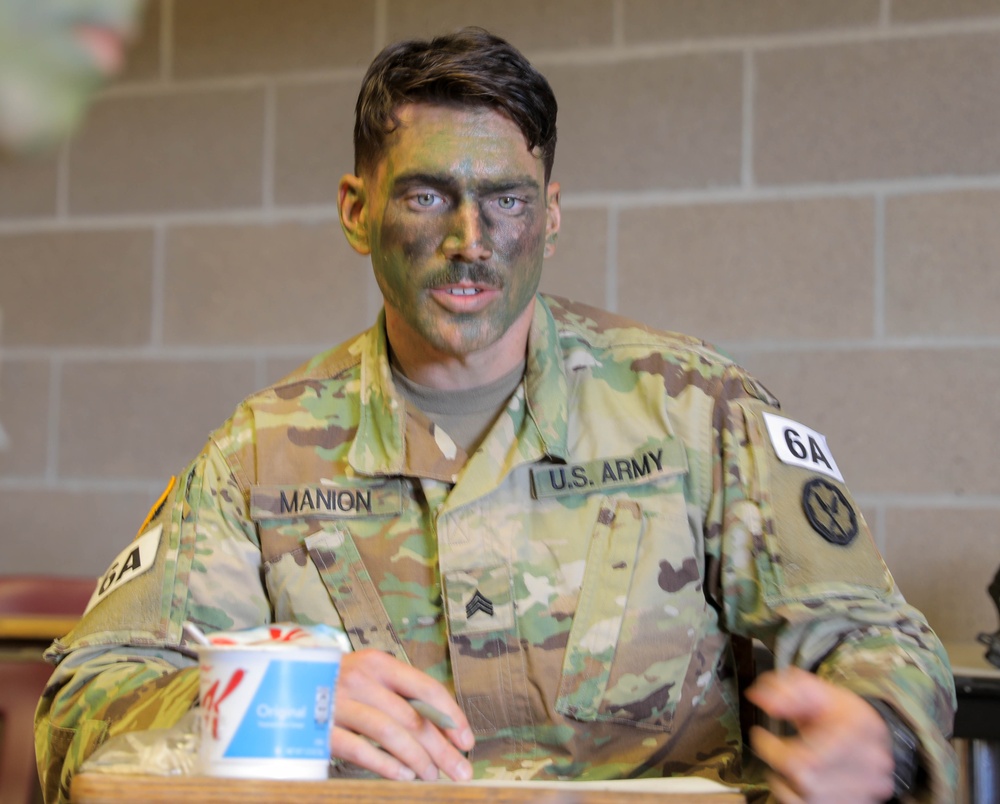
pixel 829 511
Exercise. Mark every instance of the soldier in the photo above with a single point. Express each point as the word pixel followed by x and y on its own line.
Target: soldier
pixel 545 520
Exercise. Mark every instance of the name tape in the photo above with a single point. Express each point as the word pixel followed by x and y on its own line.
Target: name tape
pixel 326 500
pixel 607 473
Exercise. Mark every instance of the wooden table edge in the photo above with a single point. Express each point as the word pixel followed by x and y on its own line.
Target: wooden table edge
pixel 100 788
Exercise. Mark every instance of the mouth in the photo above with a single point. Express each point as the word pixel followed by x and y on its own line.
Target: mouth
pixel 464 298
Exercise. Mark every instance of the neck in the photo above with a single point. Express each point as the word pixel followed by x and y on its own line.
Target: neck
pixel 455 372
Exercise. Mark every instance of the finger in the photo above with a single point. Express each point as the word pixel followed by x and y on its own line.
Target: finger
pixel 356 749
pixel 791 694
pixel 381 732
pixel 444 754
pixel 782 791
pixel 415 742
pixel 788 757
pixel 385 683
pixel 369 691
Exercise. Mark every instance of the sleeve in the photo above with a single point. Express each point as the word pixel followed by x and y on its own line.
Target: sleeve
pixel 125 666
pixel 799 570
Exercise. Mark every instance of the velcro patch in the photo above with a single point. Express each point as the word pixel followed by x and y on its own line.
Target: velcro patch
pixel 796 505
pixel 798 445
pixel 479 601
pixel 829 511
pixel 128 565
pixel 326 500
pixel 663 460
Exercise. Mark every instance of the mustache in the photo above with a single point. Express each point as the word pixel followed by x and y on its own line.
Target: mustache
pixel 476 273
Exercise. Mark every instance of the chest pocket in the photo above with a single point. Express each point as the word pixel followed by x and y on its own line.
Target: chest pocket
pixel 631 643
pixel 333 551
pixel 304 531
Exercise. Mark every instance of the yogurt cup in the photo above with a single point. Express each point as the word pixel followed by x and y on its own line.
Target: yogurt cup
pixel 267 701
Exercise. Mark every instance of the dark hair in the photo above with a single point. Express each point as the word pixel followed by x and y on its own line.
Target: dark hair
pixel 468 68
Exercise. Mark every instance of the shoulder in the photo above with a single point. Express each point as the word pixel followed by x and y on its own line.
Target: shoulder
pixel 326 373
pixel 322 392
pixel 616 342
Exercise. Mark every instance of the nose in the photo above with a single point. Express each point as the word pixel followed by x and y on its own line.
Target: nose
pixel 467 240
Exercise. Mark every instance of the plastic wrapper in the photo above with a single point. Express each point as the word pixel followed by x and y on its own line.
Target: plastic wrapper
pixel 156 752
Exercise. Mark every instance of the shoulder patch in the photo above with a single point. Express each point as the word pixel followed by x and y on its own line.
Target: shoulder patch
pixel 798 445
pixel 128 565
pixel 158 506
pixel 812 523
pixel 829 511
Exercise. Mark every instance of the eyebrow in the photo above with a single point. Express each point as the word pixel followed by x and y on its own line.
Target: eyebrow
pixel 444 181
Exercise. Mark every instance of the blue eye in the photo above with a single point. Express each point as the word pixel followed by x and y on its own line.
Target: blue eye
pixel 507 202
pixel 425 199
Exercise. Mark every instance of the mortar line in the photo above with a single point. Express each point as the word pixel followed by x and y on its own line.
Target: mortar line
pixel 268 147
pixel 749 87
pixel 611 260
pixel 618 23
pixel 52 425
pixel 879 289
pixel 167 41
pixel 158 294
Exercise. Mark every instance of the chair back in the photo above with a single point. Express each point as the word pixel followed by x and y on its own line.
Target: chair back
pixel 24 673
pixel 44 595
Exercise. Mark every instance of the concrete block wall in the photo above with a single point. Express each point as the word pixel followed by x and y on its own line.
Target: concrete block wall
pixel 813 185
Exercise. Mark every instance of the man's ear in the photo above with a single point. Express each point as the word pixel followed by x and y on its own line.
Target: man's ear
pixel 552 218
pixel 351 200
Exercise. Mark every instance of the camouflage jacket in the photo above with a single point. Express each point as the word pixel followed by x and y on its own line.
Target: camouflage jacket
pixel 577 580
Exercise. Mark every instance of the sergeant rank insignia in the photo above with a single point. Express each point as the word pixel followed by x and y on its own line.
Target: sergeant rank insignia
pixel 829 511
pixel 479 603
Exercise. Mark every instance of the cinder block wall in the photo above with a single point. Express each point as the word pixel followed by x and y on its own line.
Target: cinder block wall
pixel 813 185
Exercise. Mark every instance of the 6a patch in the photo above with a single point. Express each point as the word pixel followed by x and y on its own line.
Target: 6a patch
pixel 798 445
pixel 130 563
pixel 829 511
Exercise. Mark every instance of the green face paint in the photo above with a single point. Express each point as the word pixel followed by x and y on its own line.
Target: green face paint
pixel 457 215
pixel 47 73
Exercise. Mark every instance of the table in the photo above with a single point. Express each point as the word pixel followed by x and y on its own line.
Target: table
pixel 977 722
pixel 98 788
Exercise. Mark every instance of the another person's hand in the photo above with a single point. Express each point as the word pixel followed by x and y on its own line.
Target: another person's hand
pixel 54 57
pixel 842 751
pixel 376 728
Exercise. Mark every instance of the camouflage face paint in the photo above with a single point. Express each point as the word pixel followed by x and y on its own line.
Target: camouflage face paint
pixel 457 224
pixel 48 71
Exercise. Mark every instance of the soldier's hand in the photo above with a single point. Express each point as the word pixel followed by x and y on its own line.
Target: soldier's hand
pixel 842 751
pixel 376 727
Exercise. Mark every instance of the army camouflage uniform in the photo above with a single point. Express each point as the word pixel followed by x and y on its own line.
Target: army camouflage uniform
pixel 576 580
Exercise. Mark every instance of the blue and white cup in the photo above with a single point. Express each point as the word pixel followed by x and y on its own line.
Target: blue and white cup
pixel 267 704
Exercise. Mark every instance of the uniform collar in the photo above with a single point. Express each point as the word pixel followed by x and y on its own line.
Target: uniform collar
pixel 545 382
pixel 379 447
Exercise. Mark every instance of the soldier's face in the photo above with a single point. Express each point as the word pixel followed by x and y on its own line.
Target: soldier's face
pixel 457 219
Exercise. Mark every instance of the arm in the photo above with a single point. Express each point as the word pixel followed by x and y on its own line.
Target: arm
pixel 124 667
pixel 812 586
